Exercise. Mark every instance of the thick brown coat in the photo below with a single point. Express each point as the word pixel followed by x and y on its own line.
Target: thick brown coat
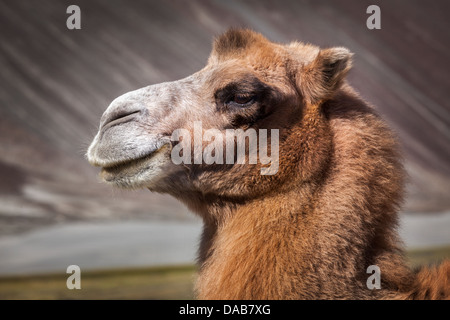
pixel 311 230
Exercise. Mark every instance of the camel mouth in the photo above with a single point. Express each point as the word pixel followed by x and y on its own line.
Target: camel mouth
pixel 122 166
pixel 137 172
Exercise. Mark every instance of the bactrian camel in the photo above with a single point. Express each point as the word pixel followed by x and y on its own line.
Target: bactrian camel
pixel 309 231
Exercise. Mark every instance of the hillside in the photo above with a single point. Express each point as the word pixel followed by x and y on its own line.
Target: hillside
pixel 55 83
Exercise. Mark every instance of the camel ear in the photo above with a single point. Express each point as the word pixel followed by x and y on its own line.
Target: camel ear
pixel 324 75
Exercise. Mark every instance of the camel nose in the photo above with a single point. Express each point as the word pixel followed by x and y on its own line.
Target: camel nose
pixel 123 109
pixel 119 116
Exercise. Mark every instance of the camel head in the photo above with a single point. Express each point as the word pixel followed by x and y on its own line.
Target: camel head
pixel 248 83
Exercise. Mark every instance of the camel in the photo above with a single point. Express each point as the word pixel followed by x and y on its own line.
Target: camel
pixel 312 229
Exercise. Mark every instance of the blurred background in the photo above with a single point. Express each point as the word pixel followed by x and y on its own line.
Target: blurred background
pixel 55 84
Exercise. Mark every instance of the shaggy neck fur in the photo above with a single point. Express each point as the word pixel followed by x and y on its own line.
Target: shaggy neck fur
pixel 290 244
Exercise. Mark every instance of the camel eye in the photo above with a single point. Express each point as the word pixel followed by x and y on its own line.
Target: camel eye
pixel 242 100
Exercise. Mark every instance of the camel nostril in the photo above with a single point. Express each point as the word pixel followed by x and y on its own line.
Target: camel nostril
pixel 123 114
pixel 119 117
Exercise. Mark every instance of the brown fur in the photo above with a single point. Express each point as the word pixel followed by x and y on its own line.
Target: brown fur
pixel 311 230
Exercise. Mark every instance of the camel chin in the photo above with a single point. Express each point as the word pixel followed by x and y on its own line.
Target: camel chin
pixel 144 172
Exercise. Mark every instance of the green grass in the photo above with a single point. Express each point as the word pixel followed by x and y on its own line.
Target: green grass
pixel 424 257
pixel 174 282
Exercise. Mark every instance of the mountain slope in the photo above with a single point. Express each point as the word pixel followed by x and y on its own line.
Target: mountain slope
pixel 55 83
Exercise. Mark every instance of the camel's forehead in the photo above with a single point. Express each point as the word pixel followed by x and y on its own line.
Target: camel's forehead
pixel 241 60
pixel 246 47
pixel 244 51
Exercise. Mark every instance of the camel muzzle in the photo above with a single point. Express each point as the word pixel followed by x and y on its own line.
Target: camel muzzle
pixel 128 129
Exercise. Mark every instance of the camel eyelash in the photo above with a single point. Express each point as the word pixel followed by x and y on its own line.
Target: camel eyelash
pixel 242 94
pixel 235 98
pixel 242 99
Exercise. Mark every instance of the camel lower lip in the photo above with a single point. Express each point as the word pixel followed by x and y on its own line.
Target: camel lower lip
pixel 129 170
pixel 124 168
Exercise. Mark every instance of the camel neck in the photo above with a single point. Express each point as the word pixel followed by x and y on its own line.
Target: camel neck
pixel 316 237
pixel 279 248
pixel 314 241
